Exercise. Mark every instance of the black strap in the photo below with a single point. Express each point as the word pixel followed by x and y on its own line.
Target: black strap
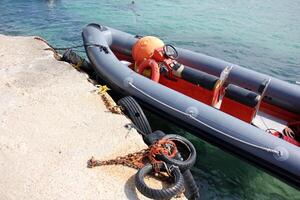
pixel 101 47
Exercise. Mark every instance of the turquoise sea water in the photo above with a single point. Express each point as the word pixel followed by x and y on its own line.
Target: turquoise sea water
pixel 260 35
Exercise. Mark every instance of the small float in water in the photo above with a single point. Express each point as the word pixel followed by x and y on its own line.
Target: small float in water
pixel 249 114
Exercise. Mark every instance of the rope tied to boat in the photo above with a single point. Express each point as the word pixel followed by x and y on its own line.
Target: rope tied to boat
pixel 54 49
pixel 107 100
pixel 190 115
pixel 102 47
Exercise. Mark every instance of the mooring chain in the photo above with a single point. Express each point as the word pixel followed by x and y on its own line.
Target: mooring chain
pixel 137 160
pixel 133 160
pixel 149 161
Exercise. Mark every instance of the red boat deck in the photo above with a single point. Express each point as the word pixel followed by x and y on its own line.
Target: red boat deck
pixel 229 99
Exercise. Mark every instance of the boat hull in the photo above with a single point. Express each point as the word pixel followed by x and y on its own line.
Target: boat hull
pixel 273 154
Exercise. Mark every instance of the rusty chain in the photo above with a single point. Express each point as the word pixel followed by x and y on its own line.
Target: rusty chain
pixel 133 160
pixel 138 159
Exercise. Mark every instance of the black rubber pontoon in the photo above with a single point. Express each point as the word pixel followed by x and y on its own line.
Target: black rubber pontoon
pixel 249 142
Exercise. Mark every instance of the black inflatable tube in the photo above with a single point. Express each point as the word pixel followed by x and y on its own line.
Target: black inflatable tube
pixel 279 93
pixel 284 165
pixel 282 174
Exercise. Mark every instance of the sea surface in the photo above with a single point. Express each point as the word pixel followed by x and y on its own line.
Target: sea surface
pixel 263 35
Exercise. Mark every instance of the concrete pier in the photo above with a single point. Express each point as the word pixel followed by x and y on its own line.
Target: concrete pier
pixel 51 123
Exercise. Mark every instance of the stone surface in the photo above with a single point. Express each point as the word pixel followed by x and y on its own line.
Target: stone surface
pixel 51 123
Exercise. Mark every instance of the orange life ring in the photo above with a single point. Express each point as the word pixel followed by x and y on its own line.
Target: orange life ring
pixel 152 64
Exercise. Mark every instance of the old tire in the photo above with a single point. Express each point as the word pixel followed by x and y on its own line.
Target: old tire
pixel 165 193
pixel 189 149
pixel 133 110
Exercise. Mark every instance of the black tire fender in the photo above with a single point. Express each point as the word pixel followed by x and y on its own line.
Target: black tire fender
pixel 133 110
pixel 185 163
pixel 165 193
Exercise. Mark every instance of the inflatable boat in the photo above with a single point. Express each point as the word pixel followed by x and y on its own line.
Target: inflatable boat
pixel 249 114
